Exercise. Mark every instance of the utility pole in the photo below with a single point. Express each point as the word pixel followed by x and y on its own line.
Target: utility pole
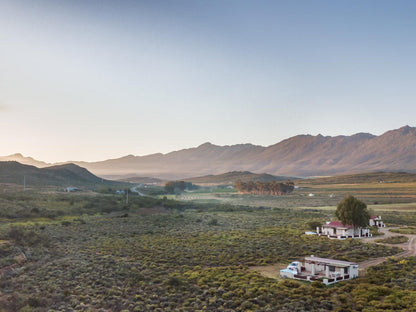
pixel 24 183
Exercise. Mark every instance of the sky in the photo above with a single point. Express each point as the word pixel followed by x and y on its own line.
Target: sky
pixel 97 79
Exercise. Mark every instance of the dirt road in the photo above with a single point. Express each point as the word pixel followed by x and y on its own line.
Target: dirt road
pixel 408 247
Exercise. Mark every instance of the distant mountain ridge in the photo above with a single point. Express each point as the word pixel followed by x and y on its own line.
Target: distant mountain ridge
pixel 24 160
pixel 61 175
pixel 301 155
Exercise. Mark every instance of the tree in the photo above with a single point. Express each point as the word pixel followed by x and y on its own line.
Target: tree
pixel 170 187
pixel 353 211
pixel 264 188
pixel 177 187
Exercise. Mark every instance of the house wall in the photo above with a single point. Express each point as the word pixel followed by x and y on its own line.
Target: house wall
pixel 352 270
pixel 376 222
pixel 344 232
pixel 327 231
pixel 336 231
pixel 350 232
pixel 319 268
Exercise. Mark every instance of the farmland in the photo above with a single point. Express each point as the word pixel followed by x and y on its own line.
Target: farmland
pixel 309 193
pixel 95 252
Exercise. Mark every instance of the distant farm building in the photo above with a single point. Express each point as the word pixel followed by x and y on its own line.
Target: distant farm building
pixel 71 189
pixel 376 221
pixel 327 271
pixel 335 229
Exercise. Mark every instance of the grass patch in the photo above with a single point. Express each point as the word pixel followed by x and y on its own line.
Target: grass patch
pixel 393 240
pixel 405 230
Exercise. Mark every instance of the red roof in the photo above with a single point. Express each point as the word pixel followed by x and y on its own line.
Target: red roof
pixel 374 217
pixel 337 224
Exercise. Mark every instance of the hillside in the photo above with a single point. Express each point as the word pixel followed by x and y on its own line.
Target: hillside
pixel 140 180
pixel 24 160
pixel 232 177
pixel 202 160
pixel 63 175
pixel 372 177
pixel 301 156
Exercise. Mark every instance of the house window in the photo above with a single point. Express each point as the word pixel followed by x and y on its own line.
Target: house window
pixel 346 270
pixel 331 268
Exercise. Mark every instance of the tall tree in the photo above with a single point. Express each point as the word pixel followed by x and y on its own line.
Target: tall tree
pixel 353 211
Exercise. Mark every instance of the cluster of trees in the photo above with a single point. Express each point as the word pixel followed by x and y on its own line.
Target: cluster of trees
pixel 264 188
pixel 173 187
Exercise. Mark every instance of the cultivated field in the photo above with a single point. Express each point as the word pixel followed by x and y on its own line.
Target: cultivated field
pixel 380 196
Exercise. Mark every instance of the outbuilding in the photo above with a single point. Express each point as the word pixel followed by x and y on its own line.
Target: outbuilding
pixel 376 221
pixel 327 271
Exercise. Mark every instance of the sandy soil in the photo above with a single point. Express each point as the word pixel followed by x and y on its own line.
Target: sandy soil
pixel 271 271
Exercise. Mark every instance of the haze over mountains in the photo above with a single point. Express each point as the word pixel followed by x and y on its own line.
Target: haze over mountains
pixel 302 156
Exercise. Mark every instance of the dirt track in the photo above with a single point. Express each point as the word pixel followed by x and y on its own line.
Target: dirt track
pixel 409 248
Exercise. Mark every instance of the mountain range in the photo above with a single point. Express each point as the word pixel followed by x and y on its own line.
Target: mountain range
pixel 301 155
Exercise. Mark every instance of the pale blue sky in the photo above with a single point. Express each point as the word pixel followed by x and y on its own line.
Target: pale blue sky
pixel 91 80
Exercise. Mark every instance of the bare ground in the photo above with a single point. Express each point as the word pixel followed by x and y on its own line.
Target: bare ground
pixel 270 271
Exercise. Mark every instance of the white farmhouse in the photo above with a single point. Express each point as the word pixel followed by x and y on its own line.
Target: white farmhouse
pixel 335 229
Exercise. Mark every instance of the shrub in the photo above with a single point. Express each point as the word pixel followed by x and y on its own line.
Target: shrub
pixel 213 222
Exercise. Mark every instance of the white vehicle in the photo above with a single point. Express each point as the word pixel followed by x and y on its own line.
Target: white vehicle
pixel 295 266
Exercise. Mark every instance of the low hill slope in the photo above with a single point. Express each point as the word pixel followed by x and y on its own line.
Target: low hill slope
pixel 63 175
pixel 140 180
pixel 232 177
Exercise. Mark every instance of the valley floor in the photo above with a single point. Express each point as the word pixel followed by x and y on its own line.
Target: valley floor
pixel 161 255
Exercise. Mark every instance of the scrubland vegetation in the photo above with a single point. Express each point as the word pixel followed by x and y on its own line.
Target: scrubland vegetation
pixel 95 252
pixel 393 240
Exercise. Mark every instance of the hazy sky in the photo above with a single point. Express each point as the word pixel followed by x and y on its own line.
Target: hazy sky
pixel 91 80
